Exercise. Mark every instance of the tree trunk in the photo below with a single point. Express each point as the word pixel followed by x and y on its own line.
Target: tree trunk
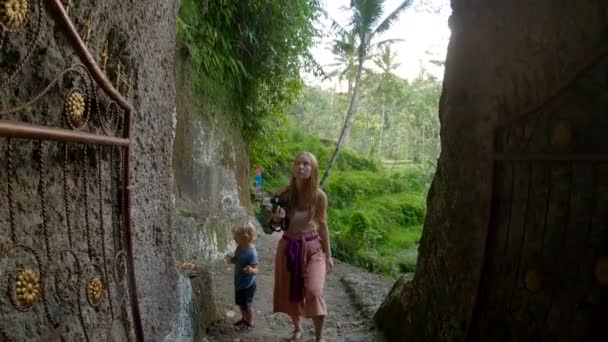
pixel 421 146
pixel 381 132
pixel 346 126
pixel 515 245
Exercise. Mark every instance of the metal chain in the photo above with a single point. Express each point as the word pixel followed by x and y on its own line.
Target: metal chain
pixel 116 226
pixel 122 166
pixel 80 311
pixel 102 229
pixel 42 169
pixel 85 186
pixel 44 91
pixel 66 197
pixel 113 218
pixel 121 189
pixel 10 154
pixel 88 238
pixel 45 301
pixel 45 218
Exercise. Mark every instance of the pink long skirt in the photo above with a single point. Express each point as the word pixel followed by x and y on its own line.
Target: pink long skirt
pixel 313 303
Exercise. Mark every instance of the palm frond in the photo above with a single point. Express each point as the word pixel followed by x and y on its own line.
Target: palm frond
pixel 336 27
pixel 388 42
pixel 333 73
pixel 365 14
pixel 386 23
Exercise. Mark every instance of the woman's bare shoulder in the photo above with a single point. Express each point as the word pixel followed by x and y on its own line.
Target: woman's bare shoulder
pixel 321 196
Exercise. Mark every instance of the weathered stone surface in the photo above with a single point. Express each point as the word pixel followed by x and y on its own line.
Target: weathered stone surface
pixel 197 309
pixel 211 190
pixel 367 290
pixel 141 37
pixel 211 172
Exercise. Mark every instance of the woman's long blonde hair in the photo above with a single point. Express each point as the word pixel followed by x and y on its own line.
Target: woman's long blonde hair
pixel 309 192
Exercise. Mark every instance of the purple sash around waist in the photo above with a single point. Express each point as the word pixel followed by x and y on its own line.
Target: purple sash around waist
pixel 296 264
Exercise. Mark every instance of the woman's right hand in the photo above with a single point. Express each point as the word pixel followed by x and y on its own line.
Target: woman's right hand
pixel 277 215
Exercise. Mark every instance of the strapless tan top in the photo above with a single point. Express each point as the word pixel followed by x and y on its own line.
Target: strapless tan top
pixel 300 221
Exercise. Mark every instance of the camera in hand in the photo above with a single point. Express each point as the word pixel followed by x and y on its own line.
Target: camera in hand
pixel 278 202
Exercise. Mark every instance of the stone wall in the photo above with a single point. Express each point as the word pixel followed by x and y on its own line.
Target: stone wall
pixel 211 168
pixel 141 36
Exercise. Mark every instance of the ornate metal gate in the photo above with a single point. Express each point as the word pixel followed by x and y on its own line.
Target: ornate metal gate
pixel 66 263
pixel 545 273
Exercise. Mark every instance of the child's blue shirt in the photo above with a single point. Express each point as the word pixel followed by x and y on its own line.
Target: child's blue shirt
pixel 242 258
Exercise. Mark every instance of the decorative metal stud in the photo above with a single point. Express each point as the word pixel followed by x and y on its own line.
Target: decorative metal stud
pixel 601 271
pixel 75 106
pixel 13 13
pixel 95 291
pixel 533 281
pixel 27 288
pixel 562 134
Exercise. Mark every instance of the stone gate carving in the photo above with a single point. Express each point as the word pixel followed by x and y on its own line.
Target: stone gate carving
pixel 66 263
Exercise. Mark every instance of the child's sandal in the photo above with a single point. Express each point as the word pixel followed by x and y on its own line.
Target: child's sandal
pixel 244 326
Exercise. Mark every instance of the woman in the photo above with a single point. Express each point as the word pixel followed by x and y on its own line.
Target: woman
pixel 303 254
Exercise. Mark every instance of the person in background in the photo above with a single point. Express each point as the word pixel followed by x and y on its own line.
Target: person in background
pixel 258 178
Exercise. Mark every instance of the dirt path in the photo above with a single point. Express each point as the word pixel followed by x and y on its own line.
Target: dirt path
pixel 343 323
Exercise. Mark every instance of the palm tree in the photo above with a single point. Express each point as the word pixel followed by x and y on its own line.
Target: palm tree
pixel 345 56
pixel 386 62
pixel 366 23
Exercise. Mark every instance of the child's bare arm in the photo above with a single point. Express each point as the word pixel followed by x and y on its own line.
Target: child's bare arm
pixel 251 269
pixel 230 258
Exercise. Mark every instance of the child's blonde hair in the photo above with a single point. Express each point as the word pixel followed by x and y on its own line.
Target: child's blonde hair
pixel 247 229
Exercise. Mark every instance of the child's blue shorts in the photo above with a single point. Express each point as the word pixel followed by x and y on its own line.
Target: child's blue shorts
pixel 244 297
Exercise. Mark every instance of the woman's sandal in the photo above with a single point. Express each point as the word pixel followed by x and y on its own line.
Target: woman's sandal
pixel 296 336
pixel 239 322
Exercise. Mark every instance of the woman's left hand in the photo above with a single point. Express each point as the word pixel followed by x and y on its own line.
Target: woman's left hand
pixel 329 265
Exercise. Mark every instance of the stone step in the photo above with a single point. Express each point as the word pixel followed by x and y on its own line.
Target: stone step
pixel 367 290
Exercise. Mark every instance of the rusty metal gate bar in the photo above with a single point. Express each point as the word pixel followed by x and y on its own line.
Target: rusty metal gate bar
pixel 18 130
pixel 503 157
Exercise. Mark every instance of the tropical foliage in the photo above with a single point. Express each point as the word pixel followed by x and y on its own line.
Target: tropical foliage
pixel 367 23
pixel 397 119
pixel 254 50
